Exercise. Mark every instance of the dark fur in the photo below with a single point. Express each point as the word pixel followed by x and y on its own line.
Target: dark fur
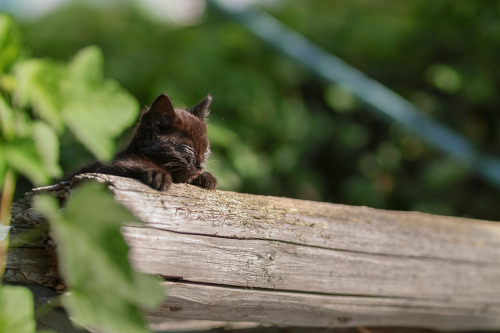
pixel 169 146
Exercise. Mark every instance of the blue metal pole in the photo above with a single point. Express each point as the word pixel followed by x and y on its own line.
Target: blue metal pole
pixel 376 95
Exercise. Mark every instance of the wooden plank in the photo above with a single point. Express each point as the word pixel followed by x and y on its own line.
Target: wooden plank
pixel 237 257
pixel 300 309
pixel 274 265
pixel 407 234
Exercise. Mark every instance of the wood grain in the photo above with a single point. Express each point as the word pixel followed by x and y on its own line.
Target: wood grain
pixel 228 256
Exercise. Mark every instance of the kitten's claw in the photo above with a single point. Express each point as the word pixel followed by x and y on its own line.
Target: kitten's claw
pixel 205 180
pixel 157 179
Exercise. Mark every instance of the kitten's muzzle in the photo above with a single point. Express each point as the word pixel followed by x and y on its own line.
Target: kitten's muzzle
pixel 200 165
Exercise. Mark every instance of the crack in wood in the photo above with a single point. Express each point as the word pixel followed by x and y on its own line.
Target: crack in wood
pixel 377 254
pixel 183 281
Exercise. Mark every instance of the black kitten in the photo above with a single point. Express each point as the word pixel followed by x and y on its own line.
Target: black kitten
pixel 169 146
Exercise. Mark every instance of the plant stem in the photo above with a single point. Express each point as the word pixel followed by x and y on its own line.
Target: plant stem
pixel 7 195
pixel 5 203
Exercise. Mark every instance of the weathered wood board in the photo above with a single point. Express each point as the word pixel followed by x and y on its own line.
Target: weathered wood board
pixel 237 257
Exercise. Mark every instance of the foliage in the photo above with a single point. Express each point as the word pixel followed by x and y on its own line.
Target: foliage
pixel 17 310
pixel 75 95
pixel 40 100
pixel 274 129
pixel 277 130
pixel 104 290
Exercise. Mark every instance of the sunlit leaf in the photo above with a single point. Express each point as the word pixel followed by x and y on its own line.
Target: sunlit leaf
pixel 444 78
pixel 339 98
pixel 22 155
pixel 87 66
pixel 96 109
pixel 38 87
pixel 22 123
pixel 16 315
pixel 47 144
pixel 10 42
pixel 105 291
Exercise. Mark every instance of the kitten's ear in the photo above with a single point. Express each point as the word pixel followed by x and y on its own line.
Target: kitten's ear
pixel 163 107
pixel 200 110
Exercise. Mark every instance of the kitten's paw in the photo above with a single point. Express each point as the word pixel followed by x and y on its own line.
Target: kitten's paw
pixel 157 179
pixel 205 180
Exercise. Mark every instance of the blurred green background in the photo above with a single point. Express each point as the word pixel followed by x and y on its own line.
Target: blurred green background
pixel 277 129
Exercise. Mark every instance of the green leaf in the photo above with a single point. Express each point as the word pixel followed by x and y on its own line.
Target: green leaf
pixel 340 98
pixel 16 315
pixel 105 291
pixel 87 66
pixel 10 42
pixel 47 144
pixel 96 110
pixel 22 155
pixel 444 78
pixel 38 86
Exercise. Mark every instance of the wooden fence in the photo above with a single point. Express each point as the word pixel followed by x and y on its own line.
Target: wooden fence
pixel 237 257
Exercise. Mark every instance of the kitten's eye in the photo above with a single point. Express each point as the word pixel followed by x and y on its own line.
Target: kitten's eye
pixel 159 124
pixel 188 150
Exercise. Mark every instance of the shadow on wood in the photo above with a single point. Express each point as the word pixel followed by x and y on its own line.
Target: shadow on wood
pixel 236 257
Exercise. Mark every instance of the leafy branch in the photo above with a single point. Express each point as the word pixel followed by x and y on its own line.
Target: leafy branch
pixel 40 99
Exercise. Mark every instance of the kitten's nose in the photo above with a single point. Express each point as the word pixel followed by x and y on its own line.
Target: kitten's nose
pixel 200 165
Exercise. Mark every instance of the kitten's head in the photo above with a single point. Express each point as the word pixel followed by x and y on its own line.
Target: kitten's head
pixel 174 139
